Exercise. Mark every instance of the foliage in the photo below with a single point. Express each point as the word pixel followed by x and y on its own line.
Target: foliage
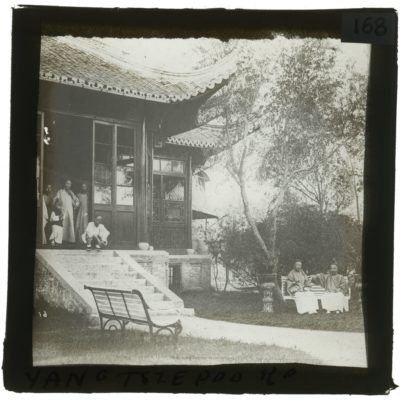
pixel 317 240
pixel 300 118
pixel 302 233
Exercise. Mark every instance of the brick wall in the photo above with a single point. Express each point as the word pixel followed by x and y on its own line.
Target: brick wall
pixel 195 271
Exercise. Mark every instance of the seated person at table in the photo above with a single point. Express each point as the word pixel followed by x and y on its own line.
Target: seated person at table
pixel 96 234
pixel 336 288
pixel 298 285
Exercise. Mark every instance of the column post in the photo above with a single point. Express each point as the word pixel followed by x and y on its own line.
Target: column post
pixel 142 206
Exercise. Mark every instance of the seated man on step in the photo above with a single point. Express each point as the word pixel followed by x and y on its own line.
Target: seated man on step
pixel 96 234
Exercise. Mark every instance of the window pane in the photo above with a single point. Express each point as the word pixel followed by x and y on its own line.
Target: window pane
pixel 156 210
pixel 156 164
pixel 125 195
pixel 156 187
pixel 165 165
pixel 156 197
pixel 174 211
pixel 125 156
pixel 125 137
pixel 102 194
pixel 125 176
pixel 174 188
pixel 177 166
pixel 103 133
pixel 102 174
pixel 103 153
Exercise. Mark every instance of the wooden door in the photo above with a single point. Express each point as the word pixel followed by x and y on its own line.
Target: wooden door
pixel 114 181
pixel 170 203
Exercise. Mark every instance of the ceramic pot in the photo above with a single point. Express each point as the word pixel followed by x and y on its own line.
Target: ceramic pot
pixel 143 246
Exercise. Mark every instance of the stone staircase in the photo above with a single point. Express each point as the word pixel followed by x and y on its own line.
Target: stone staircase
pixel 72 269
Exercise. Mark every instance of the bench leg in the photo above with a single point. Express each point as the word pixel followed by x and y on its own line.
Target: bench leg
pixel 151 332
pixel 177 330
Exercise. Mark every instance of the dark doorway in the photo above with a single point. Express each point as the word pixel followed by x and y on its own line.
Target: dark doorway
pixel 64 151
pixel 174 278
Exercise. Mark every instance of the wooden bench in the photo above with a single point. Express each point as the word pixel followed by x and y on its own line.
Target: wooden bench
pixel 117 308
pixel 318 290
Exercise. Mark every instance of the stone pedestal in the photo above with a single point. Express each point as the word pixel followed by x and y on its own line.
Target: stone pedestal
pixel 268 298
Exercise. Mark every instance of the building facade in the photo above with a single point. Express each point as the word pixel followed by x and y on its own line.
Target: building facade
pixel 128 133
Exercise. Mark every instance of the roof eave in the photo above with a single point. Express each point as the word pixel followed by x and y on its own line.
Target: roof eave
pixel 100 87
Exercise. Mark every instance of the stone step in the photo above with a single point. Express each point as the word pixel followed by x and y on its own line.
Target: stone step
pixel 103 268
pixel 150 297
pixel 153 297
pixel 89 260
pixel 104 282
pixel 122 285
pixel 99 264
pixel 162 318
pixel 125 275
pixel 186 312
pixel 161 305
pixel 106 274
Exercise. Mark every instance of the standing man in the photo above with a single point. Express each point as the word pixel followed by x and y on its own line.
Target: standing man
pixel 47 209
pixel 69 201
pixel 82 217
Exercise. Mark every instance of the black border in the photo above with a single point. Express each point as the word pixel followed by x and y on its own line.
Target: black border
pixel 28 24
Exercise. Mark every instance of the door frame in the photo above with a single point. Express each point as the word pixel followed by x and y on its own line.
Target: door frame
pixel 113 207
pixel 186 224
pixel 39 179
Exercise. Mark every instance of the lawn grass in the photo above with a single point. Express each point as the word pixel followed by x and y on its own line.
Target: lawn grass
pixel 64 339
pixel 245 308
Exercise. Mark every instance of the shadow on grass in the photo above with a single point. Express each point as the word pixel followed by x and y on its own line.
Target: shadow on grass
pixel 65 339
pixel 245 308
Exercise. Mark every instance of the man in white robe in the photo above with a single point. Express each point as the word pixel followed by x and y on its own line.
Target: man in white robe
pixel 96 234
pixel 335 299
pixel 298 285
pixel 69 202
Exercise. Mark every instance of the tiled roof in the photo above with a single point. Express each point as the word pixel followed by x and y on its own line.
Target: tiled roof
pixel 86 63
pixel 207 136
pixel 204 136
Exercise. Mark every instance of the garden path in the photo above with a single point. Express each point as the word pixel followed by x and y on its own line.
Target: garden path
pixel 331 348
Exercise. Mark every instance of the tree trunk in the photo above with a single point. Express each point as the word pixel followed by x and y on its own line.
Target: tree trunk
pixel 250 219
pixel 226 277
pixel 274 231
pixel 216 274
pixel 356 197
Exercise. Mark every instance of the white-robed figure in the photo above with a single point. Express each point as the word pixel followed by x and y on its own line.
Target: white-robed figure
pixel 56 222
pixel 335 299
pixel 96 234
pixel 69 202
pixel 298 285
